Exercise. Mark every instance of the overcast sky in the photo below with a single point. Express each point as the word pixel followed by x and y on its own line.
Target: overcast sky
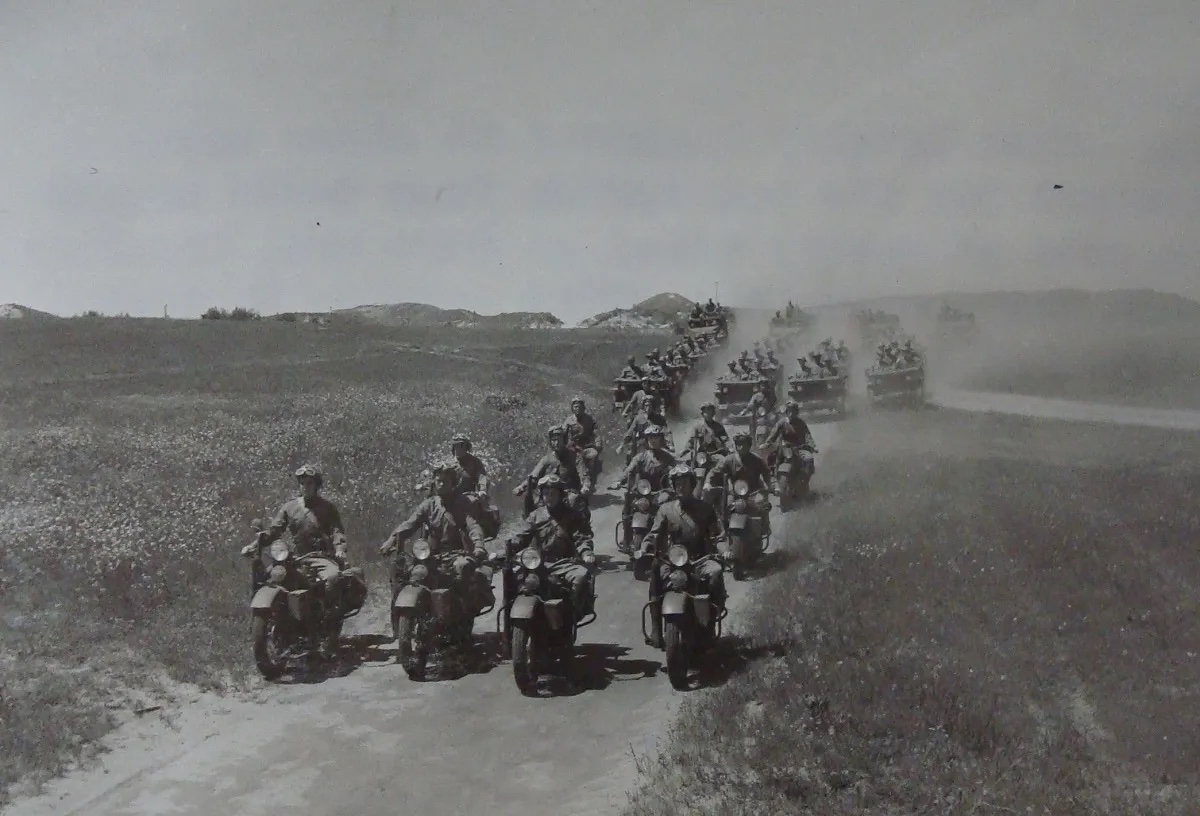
pixel 573 157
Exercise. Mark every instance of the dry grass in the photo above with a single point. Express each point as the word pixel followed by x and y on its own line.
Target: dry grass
pixel 1002 618
pixel 133 454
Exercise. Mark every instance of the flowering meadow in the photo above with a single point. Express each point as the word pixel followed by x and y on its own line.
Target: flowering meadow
pixel 134 455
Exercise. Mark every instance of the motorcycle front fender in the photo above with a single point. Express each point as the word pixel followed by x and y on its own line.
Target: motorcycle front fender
pixel 784 468
pixel 675 604
pixel 702 605
pixel 738 521
pixel 267 597
pixel 525 607
pixel 412 599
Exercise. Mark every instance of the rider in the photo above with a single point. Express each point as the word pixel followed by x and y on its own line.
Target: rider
pixel 651 464
pixel 734 372
pixel 762 400
pixel 792 431
pixel 743 464
pixel 805 368
pixel 560 532
pixel 473 483
pixel 567 465
pixel 447 517
pixel 316 527
pixel 634 405
pixel 651 414
pixel 693 524
pixel 708 435
pixel 581 433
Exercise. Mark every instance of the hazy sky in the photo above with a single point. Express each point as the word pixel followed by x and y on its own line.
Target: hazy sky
pixel 573 157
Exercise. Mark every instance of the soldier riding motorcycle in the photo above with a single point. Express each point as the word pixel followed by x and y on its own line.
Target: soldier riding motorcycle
pixel 707 443
pixel 645 482
pixel 443 581
pixel 738 486
pixel 565 463
pixel 791 455
pixel 473 483
pixel 302 593
pixel 581 436
pixel 687 587
pixel 549 586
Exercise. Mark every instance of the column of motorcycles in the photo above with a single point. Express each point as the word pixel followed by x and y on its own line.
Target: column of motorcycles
pixel 437 595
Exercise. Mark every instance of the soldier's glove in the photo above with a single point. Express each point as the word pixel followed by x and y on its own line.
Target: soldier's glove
pixel 518 490
pixel 250 550
pixel 387 547
pixel 586 491
pixel 588 558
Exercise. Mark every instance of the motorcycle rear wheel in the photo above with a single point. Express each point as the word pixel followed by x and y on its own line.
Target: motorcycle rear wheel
pixel 677 654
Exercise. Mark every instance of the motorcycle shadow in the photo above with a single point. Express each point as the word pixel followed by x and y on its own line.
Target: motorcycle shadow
pixel 354 651
pixel 599 665
pixel 734 654
pixel 607 563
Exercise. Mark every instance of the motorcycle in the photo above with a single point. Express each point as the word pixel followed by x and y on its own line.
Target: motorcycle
pixel 793 471
pixel 577 500
pixel 749 532
pixel 291 615
pixel 702 462
pixel 629 533
pixel 538 620
pixel 431 608
pixel 691 621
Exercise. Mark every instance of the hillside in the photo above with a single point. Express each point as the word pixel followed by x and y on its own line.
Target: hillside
pixel 15 311
pixel 423 314
pixel 656 313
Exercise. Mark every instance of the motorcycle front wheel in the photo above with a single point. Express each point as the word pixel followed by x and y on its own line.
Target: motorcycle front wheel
pixel 412 649
pixel 524 660
pixel 677 654
pixel 264 633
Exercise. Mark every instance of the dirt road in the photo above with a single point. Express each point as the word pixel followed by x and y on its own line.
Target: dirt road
pixel 374 742
pixel 1047 408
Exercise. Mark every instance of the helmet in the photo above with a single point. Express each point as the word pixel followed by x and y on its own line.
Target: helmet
pixel 309 472
pixel 551 480
pixel 632 360
pixel 740 437
pixel 791 407
pixel 652 430
pixel 578 401
pixel 461 439
pixel 681 471
pixel 708 404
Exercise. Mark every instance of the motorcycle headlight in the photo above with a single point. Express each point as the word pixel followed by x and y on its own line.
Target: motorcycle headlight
pixel 531 559
pixel 701 458
pixel 643 488
pixel 741 488
pixel 787 453
pixel 421 550
pixel 678 556
pixel 279 551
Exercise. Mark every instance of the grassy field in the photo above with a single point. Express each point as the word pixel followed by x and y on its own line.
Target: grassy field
pixel 134 453
pixel 989 616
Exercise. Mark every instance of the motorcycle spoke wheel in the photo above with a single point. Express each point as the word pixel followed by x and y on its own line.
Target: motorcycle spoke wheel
pixel 677 655
pixel 524 661
pixel 268 651
pixel 411 649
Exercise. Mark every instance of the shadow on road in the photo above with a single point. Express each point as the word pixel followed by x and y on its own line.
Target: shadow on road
pixel 597 666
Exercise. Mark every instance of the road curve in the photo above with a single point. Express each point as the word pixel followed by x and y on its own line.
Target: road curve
pixel 1047 408
pixel 373 742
